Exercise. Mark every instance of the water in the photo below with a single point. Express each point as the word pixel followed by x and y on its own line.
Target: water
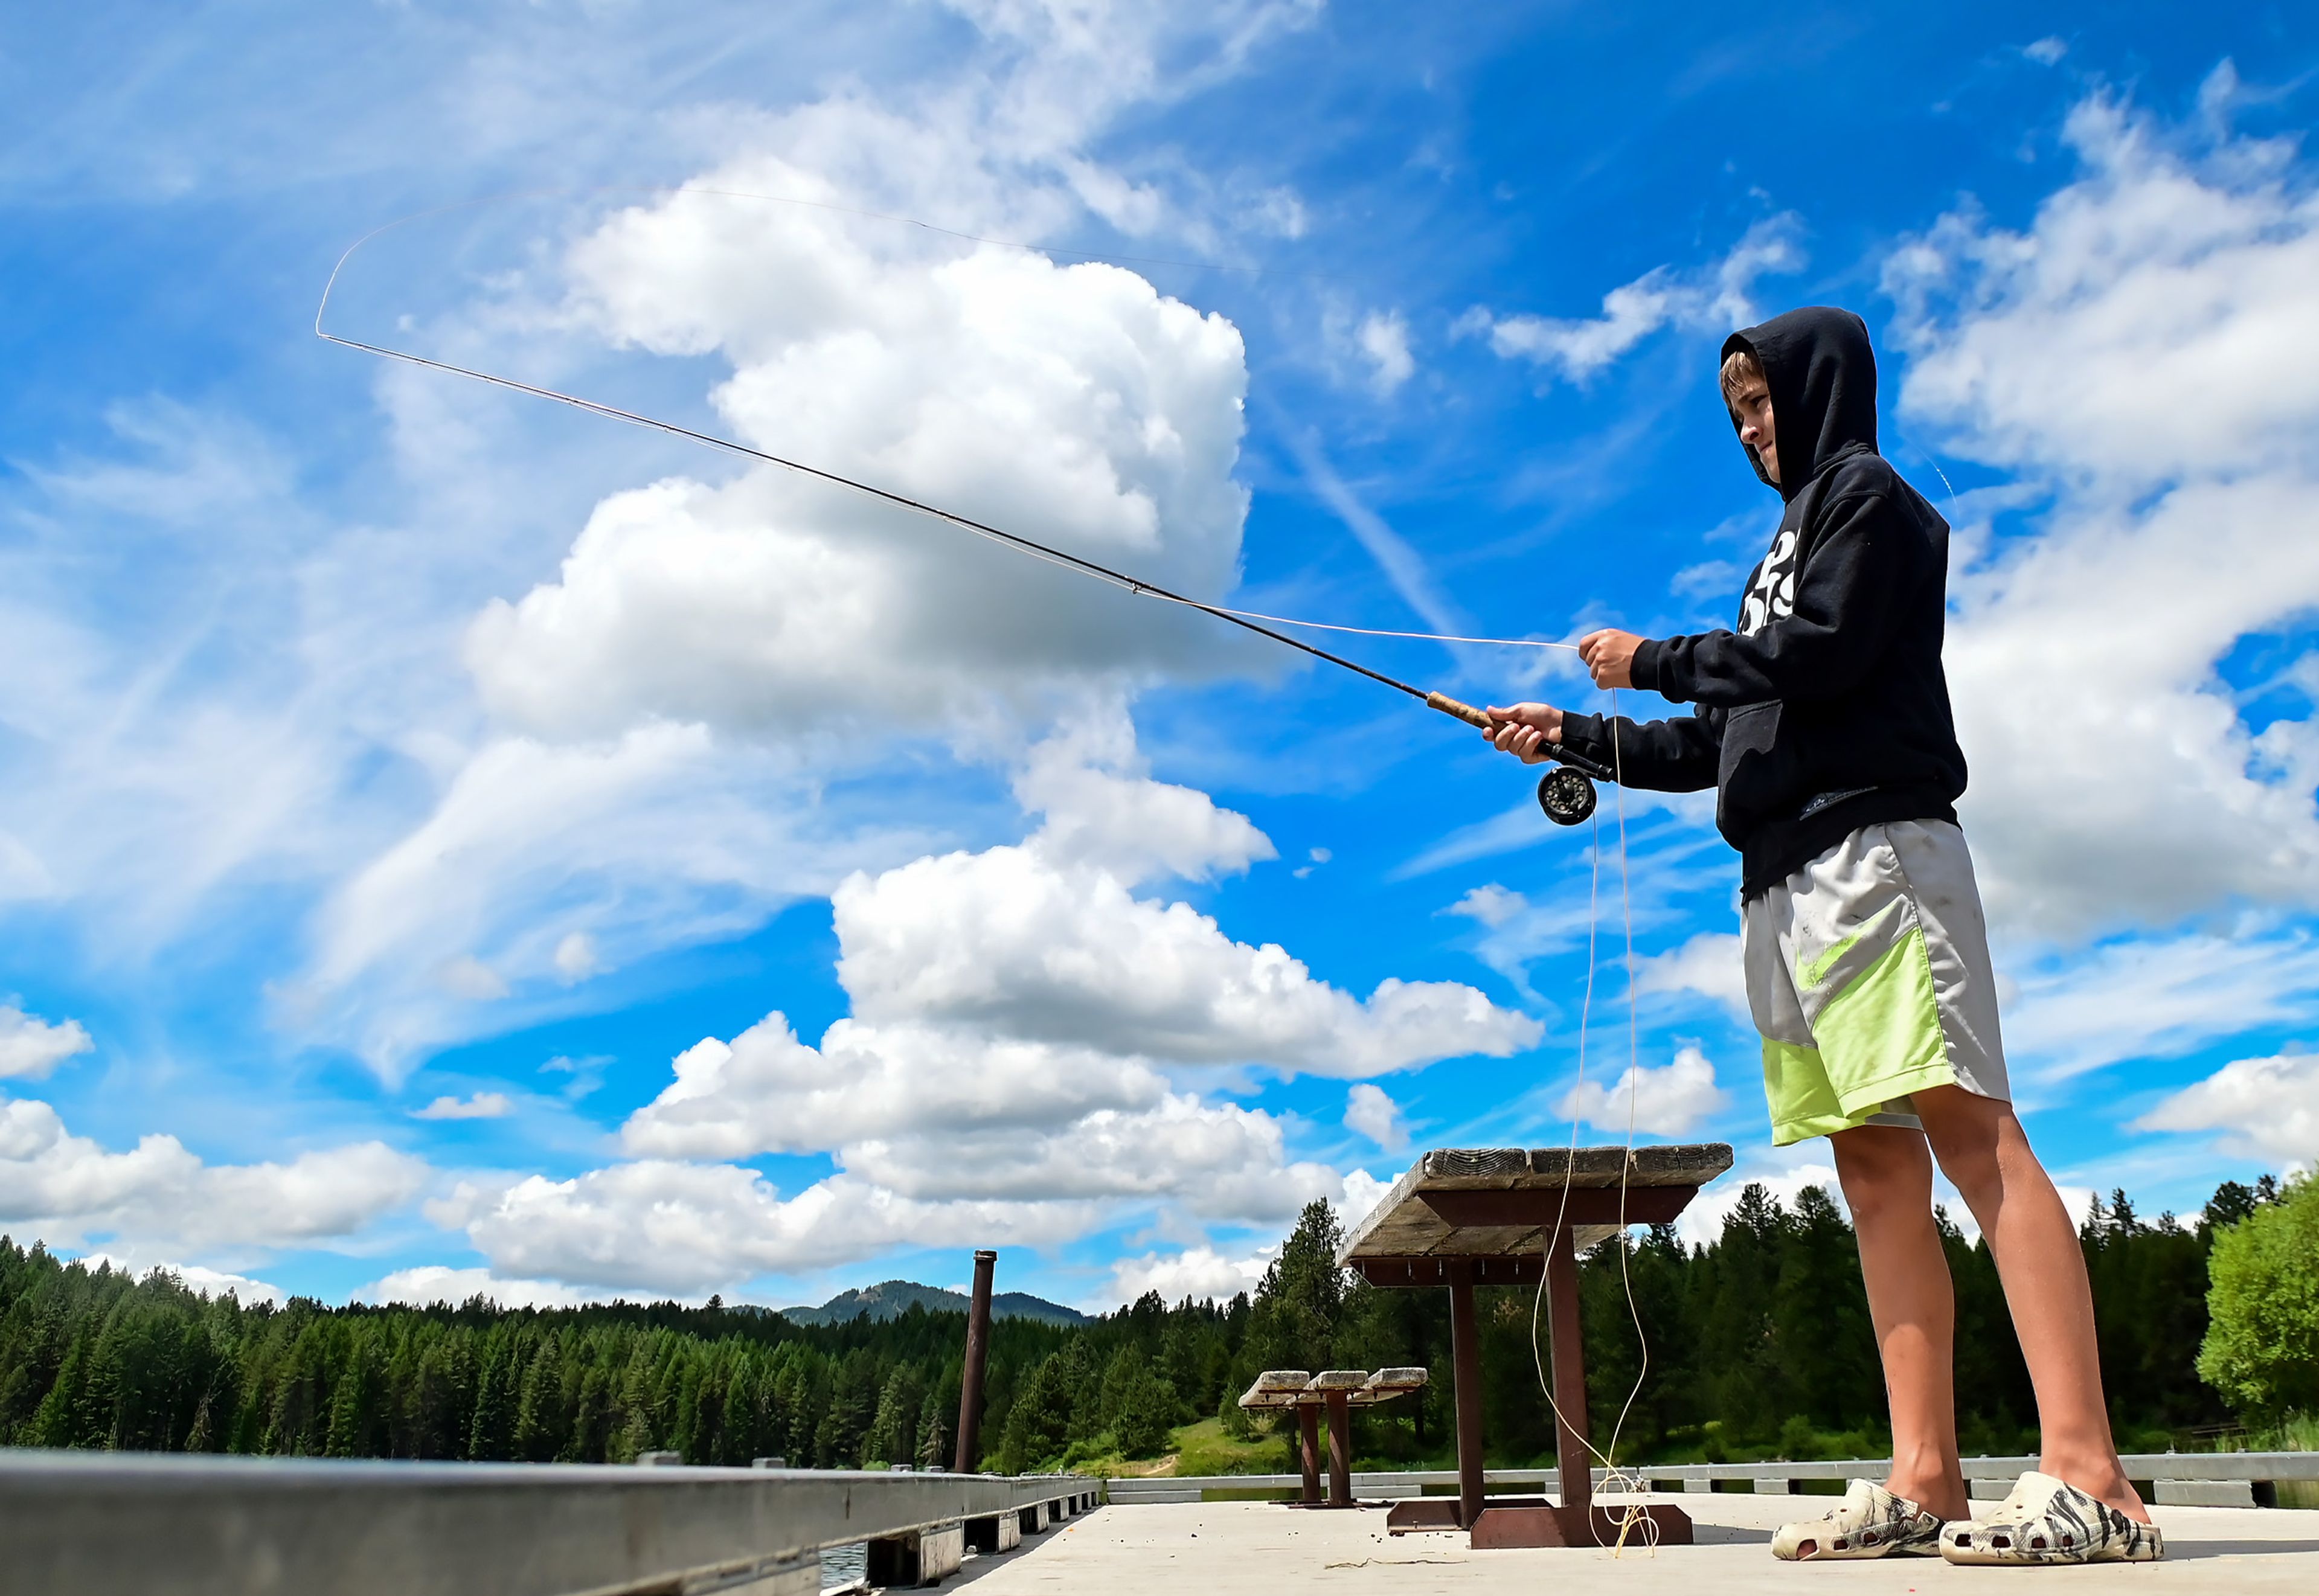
pixel 844 1565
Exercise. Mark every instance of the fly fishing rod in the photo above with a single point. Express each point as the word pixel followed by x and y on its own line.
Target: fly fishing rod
pixel 1566 793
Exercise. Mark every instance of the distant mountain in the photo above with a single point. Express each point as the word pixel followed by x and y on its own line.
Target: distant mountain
pixel 893 1298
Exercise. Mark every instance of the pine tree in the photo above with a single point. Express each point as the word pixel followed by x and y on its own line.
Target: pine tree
pixel 1302 1295
pixel 1039 1421
pixel 491 1435
pixel 1830 1372
pixel 893 1434
pixel 355 1401
pixel 540 1424
pixel 1737 1343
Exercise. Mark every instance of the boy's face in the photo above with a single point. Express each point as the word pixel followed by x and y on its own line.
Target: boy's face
pixel 1752 404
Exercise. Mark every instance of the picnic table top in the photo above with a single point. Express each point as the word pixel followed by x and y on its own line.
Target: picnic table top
pixel 1403 1226
pixel 1297 1388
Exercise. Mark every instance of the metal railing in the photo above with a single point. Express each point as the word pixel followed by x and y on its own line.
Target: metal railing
pixel 2254 1477
pixel 96 1523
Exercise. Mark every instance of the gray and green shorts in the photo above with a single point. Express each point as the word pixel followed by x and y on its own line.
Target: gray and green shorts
pixel 1868 973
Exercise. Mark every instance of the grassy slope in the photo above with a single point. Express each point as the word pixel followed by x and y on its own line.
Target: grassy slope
pixel 1202 1448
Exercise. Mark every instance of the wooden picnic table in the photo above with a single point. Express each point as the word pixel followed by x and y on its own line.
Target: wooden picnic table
pixel 1511 1216
pixel 1339 1391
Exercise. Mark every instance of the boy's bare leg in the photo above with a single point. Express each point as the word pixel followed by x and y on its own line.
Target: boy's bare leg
pixel 1983 1150
pixel 1888 1184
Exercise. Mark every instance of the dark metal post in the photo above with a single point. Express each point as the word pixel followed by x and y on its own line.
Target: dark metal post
pixel 1466 1374
pixel 970 1385
pixel 1341 1450
pixel 1308 1453
pixel 1569 1372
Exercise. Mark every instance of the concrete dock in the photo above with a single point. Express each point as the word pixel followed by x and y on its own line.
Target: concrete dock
pixel 1264 1548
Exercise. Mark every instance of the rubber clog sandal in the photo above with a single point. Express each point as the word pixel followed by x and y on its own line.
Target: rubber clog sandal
pixel 2043 1520
pixel 1872 1523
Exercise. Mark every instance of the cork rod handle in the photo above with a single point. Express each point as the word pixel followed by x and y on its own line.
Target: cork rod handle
pixel 1465 712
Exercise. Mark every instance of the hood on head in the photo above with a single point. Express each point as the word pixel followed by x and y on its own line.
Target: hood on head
pixel 1822 374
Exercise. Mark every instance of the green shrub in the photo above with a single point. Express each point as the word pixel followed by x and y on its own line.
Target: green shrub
pixel 2261 1350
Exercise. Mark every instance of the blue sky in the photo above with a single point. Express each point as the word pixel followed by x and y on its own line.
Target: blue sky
pixel 451 842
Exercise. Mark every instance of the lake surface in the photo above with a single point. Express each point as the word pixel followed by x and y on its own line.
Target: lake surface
pixel 844 1565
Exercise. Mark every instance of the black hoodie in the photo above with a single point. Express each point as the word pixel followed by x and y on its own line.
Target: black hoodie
pixel 1826 708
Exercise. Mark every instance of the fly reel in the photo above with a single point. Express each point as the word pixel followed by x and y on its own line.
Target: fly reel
pixel 1566 792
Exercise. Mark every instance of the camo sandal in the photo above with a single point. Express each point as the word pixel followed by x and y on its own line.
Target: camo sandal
pixel 1872 1523
pixel 2041 1519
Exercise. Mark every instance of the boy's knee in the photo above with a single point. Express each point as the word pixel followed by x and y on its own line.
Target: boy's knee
pixel 1881 1170
pixel 1973 1167
pixel 1968 1137
pixel 1878 1197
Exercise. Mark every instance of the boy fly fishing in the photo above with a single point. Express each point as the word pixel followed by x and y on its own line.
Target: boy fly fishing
pixel 1823 724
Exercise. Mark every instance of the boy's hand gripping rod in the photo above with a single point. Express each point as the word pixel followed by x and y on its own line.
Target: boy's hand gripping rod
pixel 1566 793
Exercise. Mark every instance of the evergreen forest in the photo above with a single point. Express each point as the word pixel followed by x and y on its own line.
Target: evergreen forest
pixel 1759 1346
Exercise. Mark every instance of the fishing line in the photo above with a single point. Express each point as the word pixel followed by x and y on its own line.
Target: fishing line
pixel 1248 620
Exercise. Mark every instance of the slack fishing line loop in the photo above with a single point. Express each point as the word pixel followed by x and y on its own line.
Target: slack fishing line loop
pixel 1633 1519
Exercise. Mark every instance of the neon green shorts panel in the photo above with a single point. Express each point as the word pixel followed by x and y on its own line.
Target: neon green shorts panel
pixel 1869 977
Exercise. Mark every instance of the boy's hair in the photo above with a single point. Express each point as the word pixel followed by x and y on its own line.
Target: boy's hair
pixel 1741 368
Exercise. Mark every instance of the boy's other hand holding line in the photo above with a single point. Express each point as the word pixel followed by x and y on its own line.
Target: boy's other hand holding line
pixel 1610 656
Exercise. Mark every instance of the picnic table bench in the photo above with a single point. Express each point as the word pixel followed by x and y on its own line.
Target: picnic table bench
pixel 1513 1216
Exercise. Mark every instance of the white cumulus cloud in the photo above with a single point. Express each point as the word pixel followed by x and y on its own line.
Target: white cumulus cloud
pixel 1000 938
pixel 436 1282
pixel 31 1047
pixel 1369 1112
pixel 1197 1272
pixel 1516 931
pixel 66 1189
pixel 663 1226
pixel 648 730
pixel 1665 1101
pixel 1707 964
pixel 210 1282
pixel 481 1105
pixel 1017 1015
pixel 1058 950
pixel 1071 404
pixel 2267 1107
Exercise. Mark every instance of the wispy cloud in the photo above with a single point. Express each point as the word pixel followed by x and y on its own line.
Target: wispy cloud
pixel 1402 565
pixel 1716 298
pixel 2173 450
pixel 2156 998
